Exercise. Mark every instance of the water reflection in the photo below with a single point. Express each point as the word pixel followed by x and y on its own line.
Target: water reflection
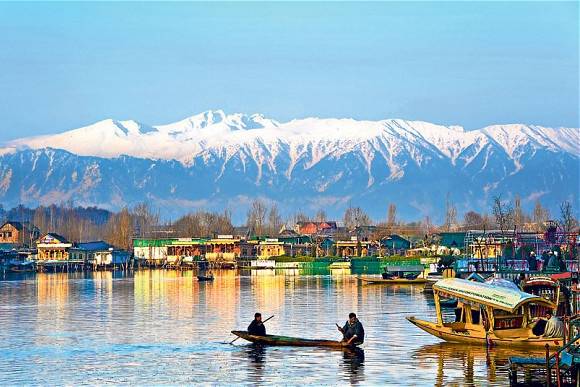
pixel 353 364
pixel 461 364
pixel 165 327
pixel 257 356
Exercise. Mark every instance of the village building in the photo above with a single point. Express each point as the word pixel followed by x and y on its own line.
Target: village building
pixel 249 249
pixel 98 253
pixel 53 247
pixel 271 247
pixel 185 248
pixel 18 233
pixel 153 251
pixel 352 248
pixel 224 248
pixel 295 244
pixel 312 228
pixel 394 245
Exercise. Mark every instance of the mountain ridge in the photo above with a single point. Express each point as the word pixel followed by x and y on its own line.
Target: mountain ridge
pixel 304 164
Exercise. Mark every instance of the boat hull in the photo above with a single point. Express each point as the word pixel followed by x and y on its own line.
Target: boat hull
pixel 477 337
pixel 290 341
pixel 398 281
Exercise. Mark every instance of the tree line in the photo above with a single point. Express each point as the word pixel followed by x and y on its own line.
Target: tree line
pixel 81 224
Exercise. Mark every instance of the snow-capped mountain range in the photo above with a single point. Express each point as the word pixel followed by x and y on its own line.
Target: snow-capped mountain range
pixel 215 159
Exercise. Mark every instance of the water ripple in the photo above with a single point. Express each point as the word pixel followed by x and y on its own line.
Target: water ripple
pixel 163 327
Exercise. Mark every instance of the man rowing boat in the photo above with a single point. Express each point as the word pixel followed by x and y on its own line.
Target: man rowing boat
pixel 257 327
pixel 353 331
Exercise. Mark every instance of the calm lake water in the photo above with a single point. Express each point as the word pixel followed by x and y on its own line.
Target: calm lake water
pixel 164 327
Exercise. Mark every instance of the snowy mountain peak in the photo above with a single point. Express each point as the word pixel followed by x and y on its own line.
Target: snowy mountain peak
pixel 225 160
pixel 263 139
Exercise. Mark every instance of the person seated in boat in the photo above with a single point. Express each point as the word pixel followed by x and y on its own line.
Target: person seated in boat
pixel 554 326
pixel 520 280
pixel 257 327
pixel 561 262
pixel 532 261
pixel 552 263
pixel 353 331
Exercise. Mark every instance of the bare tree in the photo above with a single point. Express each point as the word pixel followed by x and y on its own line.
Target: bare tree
pixel 120 229
pixel 541 216
pixel 256 219
pixel 503 213
pixel 519 216
pixel 300 217
pixel 40 220
pixel 472 221
pixel 450 214
pixel 567 219
pixel 145 219
pixel 391 217
pixel 426 226
pixel 320 216
pixel 274 220
pixel 354 217
pixel 488 221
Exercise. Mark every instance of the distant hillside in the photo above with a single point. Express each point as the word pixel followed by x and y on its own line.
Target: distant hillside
pixel 214 160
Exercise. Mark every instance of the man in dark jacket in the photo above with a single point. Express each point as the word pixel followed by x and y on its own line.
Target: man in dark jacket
pixel 257 327
pixel 353 330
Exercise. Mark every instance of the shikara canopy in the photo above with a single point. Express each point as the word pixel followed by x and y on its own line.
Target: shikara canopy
pixel 486 294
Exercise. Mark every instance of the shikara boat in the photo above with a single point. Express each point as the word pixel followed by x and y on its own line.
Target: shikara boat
pixel 399 274
pixel 550 289
pixel 290 341
pixel 205 277
pixel 487 314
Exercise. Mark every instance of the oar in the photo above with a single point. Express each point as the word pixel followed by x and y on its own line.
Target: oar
pixel 231 342
pixel 340 329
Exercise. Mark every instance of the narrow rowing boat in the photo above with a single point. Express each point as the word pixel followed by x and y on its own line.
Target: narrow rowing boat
pixel 398 281
pixel 290 341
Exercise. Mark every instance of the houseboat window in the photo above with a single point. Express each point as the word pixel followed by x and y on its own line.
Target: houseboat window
pixel 475 316
pixel 508 320
pixel 459 315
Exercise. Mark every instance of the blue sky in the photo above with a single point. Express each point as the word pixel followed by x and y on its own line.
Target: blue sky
pixel 64 65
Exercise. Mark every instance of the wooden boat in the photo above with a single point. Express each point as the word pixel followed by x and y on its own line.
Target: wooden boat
pixel 488 314
pixel 205 277
pixel 399 274
pixel 552 290
pixel 376 280
pixel 290 341
pixel 23 267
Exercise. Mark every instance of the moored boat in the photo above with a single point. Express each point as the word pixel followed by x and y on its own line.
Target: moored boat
pixel 205 277
pixel 23 267
pixel 399 274
pixel 550 289
pixel 488 314
pixel 290 341
pixel 395 280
